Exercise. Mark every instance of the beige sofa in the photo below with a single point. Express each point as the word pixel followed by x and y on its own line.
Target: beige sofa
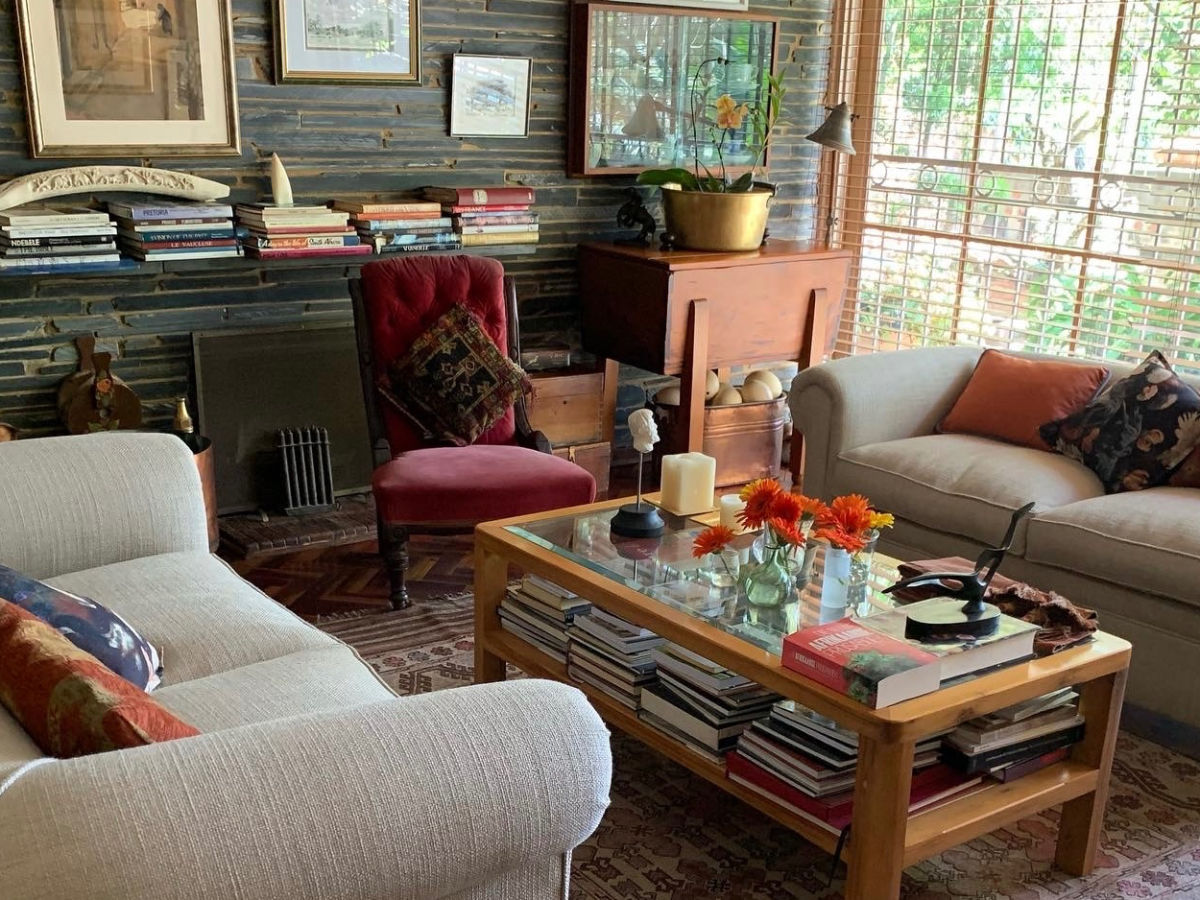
pixel 311 779
pixel 869 426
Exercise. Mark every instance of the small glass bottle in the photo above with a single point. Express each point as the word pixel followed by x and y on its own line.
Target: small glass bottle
pixel 184 429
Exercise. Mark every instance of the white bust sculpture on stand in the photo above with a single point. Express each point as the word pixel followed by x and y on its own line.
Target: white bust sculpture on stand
pixel 640 519
pixel 644 431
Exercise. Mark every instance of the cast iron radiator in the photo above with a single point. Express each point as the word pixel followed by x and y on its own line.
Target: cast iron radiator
pixel 307 470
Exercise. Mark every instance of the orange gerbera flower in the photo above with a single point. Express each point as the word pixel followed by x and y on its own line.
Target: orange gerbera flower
pixel 811 506
pixel 785 506
pixel 787 531
pixel 843 539
pixel 711 540
pixel 758 496
pixel 850 513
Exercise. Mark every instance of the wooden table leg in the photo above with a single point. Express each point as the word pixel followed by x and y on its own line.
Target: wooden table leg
pixel 816 329
pixel 1079 828
pixel 880 816
pixel 491 578
pixel 689 435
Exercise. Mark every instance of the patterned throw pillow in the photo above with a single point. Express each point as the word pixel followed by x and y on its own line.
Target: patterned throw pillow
pixel 67 700
pixel 1135 434
pixel 88 625
pixel 453 383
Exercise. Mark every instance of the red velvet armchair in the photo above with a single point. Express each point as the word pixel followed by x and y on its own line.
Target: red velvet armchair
pixel 424 489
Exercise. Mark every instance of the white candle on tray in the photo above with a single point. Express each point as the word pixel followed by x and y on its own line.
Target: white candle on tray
pixel 731 505
pixel 688 483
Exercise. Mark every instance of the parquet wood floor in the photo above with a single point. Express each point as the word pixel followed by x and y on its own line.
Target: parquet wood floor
pixel 326 581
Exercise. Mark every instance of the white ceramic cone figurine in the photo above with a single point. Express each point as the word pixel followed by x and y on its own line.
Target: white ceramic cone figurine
pixel 281 185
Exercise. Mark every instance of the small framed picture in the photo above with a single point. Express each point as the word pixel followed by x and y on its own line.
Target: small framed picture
pixel 345 42
pixel 489 96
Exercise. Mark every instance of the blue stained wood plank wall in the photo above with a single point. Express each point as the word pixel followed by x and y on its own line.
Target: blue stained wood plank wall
pixel 355 141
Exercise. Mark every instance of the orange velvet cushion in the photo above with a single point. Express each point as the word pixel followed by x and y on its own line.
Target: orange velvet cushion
pixel 67 700
pixel 1008 398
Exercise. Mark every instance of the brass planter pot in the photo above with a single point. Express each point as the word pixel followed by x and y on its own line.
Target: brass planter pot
pixel 698 220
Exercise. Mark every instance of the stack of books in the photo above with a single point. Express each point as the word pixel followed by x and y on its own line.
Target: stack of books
pixel 402 226
pixel 612 655
pixel 284 232
pixel 488 216
pixel 806 763
pixel 1018 739
pixel 540 612
pixel 175 230
pixel 38 237
pixel 700 703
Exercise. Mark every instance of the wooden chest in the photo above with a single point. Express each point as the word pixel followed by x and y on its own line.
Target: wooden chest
pixel 568 406
pixel 596 458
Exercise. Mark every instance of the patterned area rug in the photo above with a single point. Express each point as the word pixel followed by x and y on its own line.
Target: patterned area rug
pixel 669 836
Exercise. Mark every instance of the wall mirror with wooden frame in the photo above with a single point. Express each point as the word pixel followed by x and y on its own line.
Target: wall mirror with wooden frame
pixel 633 73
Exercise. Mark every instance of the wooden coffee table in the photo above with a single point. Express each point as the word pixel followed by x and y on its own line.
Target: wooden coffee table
pixel 572 548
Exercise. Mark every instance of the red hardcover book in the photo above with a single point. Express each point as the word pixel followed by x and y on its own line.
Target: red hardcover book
pixel 834 809
pixel 295 252
pixel 480 196
pixel 930 786
pixel 869 666
pixel 484 207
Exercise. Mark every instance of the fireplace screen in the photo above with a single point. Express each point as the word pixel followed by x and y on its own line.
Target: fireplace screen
pixel 252 383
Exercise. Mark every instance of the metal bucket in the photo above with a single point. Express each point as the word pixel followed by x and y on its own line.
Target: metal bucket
pixel 746 439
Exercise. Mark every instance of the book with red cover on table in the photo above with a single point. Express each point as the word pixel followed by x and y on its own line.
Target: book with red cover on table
pixel 870 660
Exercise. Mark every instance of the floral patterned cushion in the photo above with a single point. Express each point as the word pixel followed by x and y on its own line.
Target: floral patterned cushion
pixel 453 383
pixel 88 625
pixel 67 700
pixel 1135 434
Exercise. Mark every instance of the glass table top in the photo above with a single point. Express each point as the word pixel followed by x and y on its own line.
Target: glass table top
pixel 664 569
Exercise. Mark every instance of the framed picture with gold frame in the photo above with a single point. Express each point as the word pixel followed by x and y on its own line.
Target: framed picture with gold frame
pixel 348 41
pixel 128 78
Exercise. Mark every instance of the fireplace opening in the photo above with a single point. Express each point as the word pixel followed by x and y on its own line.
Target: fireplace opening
pixel 253 383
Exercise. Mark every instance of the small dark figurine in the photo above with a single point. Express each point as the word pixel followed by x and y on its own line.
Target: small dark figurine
pixel 164 19
pixel 634 213
pixel 963 610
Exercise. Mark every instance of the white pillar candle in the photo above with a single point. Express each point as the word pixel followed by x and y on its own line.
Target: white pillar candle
pixel 731 505
pixel 688 483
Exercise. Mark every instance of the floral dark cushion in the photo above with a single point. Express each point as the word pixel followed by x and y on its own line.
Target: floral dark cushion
pixel 1135 434
pixel 453 383
pixel 87 625
pixel 67 701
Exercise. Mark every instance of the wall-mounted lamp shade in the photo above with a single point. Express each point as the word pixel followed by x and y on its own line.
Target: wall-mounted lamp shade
pixel 834 132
